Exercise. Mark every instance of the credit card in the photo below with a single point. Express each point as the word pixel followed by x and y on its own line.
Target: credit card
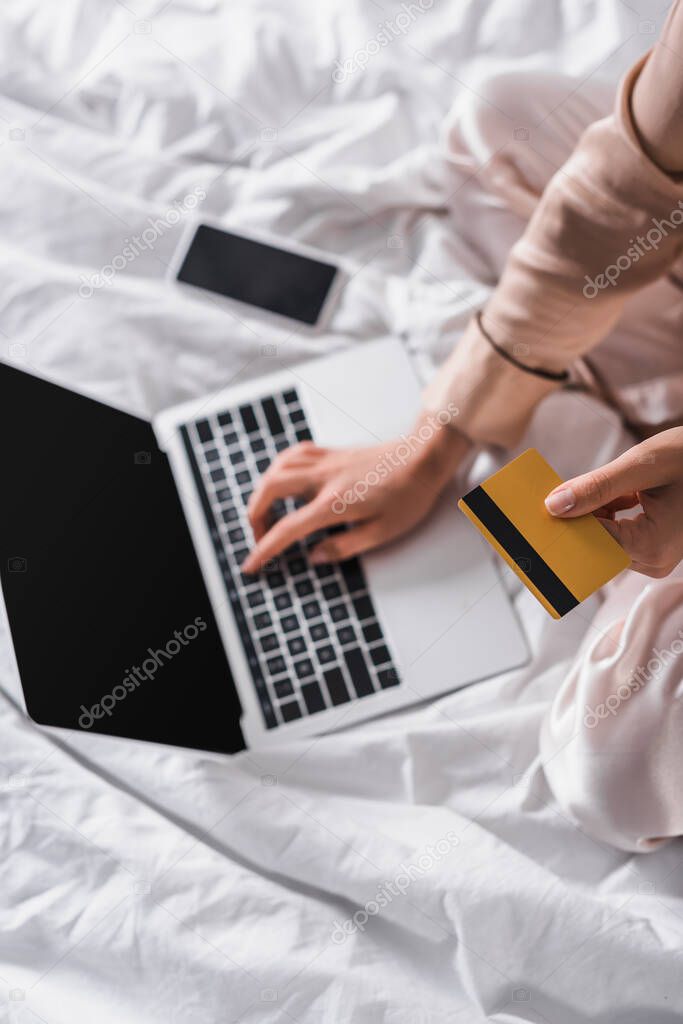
pixel 561 561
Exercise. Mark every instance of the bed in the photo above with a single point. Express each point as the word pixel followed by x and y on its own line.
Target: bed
pixel 416 870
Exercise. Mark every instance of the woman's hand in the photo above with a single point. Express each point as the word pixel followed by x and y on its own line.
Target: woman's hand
pixel 650 476
pixel 382 491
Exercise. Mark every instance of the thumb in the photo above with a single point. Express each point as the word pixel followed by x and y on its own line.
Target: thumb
pixel 591 491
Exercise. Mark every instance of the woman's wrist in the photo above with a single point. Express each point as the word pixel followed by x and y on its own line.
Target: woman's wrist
pixel 441 446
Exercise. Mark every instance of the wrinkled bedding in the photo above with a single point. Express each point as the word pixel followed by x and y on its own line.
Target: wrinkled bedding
pixel 416 870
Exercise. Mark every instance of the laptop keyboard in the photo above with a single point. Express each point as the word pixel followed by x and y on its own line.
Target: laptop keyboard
pixel 310 633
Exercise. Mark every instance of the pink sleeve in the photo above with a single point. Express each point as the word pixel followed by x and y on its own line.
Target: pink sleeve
pixel 608 223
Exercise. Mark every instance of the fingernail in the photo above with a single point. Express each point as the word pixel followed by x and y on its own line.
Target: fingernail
pixel 318 557
pixel 560 501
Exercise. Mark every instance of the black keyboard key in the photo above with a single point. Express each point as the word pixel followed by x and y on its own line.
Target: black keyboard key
pixel 346 635
pixel 229 515
pixel 257 444
pixel 290 711
pixel 304 434
pixel 387 677
pixel 339 612
pixel 225 419
pixel 380 655
pixel 278 510
pixel 239 554
pixel 249 419
pixel 269 642
pixel 217 475
pixel 283 601
pixel 353 575
pixel 276 665
pixel 358 670
pixel 289 623
pixel 204 431
pixel 313 698
pixel 326 654
pixel 211 455
pixel 372 632
pixel 296 566
pixel 336 686
pixel 364 607
pixel 237 457
pixel 290 397
pixel 297 645
pixel 281 445
pixel 297 416
pixel 331 590
pixel 283 689
pixel 304 668
pixel 318 631
pixel 275 424
pixel 263 620
pixel 236 536
pixel 231 437
pixel 304 588
pixel 262 465
pixel 322 571
pixel 312 610
pixel 275 579
pixel 224 494
pixel 243 477
pixel 268 712
pixel 255 598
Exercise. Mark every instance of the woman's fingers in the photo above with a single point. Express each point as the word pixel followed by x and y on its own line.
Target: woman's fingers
pixel 620 504
pixel 649 475
pixel 291 474
pixel 640 539
pixel 275 484
pixel 291 528
pixel 638 469
pixel 653 571
pixel 355 541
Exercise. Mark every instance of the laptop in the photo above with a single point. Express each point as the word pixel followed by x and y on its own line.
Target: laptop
pixel 121 546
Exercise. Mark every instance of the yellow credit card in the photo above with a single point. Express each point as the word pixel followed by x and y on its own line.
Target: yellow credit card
pixel 561 561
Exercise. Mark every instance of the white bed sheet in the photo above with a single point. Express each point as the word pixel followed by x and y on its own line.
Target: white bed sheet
pixel 139 883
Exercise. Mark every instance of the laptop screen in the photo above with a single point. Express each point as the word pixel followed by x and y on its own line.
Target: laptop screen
pixel 111 624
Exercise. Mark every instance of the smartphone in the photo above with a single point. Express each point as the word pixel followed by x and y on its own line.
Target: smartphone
pixel 291 282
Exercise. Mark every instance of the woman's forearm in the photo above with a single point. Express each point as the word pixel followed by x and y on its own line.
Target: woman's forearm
pixel 608 223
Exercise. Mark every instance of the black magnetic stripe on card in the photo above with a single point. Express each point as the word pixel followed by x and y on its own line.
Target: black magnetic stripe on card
pixel 534 567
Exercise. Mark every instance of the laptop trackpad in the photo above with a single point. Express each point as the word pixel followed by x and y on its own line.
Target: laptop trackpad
pixel 444 605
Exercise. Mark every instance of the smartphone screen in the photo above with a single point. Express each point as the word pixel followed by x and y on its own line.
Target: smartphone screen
pixel 261 275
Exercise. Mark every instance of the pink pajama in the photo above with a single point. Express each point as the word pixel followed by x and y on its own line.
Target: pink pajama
pixel 549 215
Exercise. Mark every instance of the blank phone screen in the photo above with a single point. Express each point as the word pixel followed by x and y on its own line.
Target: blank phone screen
pixel 261 275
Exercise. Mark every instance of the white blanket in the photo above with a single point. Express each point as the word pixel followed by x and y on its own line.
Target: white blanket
pixel 413 870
